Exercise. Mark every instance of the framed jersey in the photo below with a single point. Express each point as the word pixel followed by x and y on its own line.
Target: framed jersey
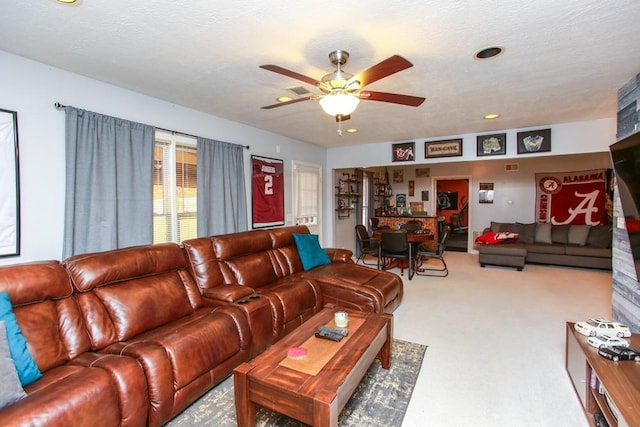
pixel 267 192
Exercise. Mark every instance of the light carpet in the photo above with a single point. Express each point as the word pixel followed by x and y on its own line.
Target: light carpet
pixel 381 399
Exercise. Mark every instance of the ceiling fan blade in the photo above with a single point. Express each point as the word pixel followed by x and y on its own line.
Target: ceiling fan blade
pixel 382 69
pixel 282 104
pixel 289 73
pixel 394 98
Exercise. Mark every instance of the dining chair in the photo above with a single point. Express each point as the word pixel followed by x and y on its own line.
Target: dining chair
pixel 424 253
pixel 395 251
pixel 367 245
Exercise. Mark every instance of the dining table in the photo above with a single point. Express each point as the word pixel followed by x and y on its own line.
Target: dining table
pixel 414 238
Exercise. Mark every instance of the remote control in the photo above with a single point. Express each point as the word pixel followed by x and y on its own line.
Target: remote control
pixel 328 335
pixel 340 331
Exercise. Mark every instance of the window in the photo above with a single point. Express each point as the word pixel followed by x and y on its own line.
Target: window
pixel 174 188
pixel 306 194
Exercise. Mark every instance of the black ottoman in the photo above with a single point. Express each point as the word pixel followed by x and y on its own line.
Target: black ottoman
pixel 505 254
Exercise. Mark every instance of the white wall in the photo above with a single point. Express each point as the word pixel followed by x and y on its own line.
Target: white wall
pixel 31 89
pixel 567 139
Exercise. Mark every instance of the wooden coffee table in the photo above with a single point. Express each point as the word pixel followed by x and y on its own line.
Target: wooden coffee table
pixel 314 389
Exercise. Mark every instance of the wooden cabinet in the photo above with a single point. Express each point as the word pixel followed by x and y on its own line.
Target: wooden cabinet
pixel 348 194
pixel 603 386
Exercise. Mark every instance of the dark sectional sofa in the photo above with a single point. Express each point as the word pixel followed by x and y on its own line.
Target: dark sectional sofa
pixel 131 337
pixel 544 243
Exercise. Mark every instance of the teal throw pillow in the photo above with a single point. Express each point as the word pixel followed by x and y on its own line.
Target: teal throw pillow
pixel 310 252
pixel 25 365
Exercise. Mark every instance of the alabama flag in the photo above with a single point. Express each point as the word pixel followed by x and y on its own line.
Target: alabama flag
pixel 572 197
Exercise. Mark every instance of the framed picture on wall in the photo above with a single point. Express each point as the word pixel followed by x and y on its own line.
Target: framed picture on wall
pixel 423 172
pixel 10 186
pixel 536 141
pixel 403 152
pixel 447 148
pixel 486 192
pixel 491 145
pixel 267 192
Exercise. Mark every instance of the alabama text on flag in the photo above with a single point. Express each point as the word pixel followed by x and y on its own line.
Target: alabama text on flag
pixel 571 197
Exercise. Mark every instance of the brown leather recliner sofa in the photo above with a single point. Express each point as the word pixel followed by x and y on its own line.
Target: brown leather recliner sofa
pixel 78 386
pixel 133 336
pixel 235 267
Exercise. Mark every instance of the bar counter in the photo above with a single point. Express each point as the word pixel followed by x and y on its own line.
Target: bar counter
pixel 428 223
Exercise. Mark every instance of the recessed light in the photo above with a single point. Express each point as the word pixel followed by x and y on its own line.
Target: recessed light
pixel 488 53
pixel 67 1
pixel 352 130
pixel 284 99
pixel 491 116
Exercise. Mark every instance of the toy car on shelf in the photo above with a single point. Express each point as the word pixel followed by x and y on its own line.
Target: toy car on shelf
pixel 617 353
pixel 593 327
pixel 600 341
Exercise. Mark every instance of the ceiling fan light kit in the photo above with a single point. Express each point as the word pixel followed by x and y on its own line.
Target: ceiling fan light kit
pixel 339 104
pixel 342 90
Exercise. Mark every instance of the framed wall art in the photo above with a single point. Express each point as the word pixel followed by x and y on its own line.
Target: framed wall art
pixel 398 176
pixel 423 172
pixel 485 194
pixel 491 145
pixel 10 188
pixel 447 148
pixel 403 152
pixel 267 192
pixel 535 141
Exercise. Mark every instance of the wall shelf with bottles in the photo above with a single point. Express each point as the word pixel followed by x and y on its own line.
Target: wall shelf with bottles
pixel 348 194
pixel 383 195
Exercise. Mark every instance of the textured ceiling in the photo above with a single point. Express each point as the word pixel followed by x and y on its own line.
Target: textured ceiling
pixel 564 60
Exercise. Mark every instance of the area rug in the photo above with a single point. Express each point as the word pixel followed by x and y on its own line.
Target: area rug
pixel 381 399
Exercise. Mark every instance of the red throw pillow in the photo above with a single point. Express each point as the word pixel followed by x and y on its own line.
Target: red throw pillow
pixel 497 237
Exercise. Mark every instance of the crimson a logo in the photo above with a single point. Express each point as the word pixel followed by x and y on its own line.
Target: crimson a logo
pixel 550 185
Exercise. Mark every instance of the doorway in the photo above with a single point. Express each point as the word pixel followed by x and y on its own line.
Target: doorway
pixel 452 202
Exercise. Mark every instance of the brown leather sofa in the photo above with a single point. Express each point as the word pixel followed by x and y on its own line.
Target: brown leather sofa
pixel 132 336
pixel 78 386
pixel 142 303
pixel 234 267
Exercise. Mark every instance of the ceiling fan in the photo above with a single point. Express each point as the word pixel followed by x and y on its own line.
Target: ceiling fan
pixel 342 91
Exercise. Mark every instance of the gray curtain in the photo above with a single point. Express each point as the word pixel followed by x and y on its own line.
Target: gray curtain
pixel 109 183
pixel 222 201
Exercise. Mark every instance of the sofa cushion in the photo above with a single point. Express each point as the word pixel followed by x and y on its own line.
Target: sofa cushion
pixel 600 236
pixel 11 390
pixel 578 234
pixel 589 251
pixel 546 248
pixel 560 234
pixel 311 254
pixel 25 365
pixel 527 232
pixel 543 233
pixel 501 226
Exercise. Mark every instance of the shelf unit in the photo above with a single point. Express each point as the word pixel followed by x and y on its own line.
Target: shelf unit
pixel 593 375
pixel 382 194
pixel 348 194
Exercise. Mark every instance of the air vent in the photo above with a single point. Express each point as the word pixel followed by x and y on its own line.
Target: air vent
pixel 299 90
pixel 512 167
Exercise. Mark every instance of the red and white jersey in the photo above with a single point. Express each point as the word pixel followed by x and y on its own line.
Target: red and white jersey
pixel 267 191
